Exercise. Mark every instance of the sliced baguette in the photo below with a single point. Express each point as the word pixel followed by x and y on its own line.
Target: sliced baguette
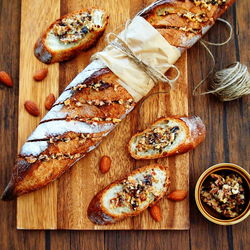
pixel 35 166
pixel 50 49
pixel 181 135
pixel 106 207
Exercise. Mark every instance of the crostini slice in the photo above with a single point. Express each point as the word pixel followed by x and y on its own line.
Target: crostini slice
pixel 129 196
pixel 167 136
pixel 70 34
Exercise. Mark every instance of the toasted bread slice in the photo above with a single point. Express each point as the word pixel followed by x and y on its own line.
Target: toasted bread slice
pixel 167 136
pixel 70 34
pixel 129 196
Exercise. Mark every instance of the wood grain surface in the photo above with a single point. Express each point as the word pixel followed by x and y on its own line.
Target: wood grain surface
pixel 34 20
pixel 64 203
pixel 228 140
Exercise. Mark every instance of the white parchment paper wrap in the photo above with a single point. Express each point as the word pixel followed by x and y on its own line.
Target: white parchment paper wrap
pixel 149 46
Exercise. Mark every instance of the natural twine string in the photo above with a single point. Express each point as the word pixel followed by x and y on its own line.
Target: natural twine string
pixel 151 71
pixel 230 83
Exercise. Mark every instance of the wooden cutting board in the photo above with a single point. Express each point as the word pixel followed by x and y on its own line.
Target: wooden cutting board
pixel 63 204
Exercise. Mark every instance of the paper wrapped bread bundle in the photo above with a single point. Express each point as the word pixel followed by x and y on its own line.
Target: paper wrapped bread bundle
pixel 97 99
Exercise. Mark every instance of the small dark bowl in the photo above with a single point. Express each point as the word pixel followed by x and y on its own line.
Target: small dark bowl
pixel 209 212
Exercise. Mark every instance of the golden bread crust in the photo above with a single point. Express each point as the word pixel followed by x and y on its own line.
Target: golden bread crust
pixel 30 176
pixel 46 55
pixel 195 132
pixel 98 214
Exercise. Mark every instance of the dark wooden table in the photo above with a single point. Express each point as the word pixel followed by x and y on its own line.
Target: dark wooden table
pixel 227 141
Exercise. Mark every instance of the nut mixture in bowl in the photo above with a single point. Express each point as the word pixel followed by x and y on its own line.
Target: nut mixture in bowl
pixel 225 194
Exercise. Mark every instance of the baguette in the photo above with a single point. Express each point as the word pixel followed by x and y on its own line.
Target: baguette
pixel 70 34
pixel 74 126
pixel 89 108
pixel 129 196
pixel 166 137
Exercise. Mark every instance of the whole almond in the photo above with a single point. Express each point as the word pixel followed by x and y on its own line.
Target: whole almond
pixel 40 74
pixel 5 79
pixel 32 108
pixel 49 101
pixel 177 195
pixel 105 164
pixel 155 212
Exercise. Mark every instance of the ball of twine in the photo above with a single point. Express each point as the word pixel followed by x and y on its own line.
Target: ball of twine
pixel 230 83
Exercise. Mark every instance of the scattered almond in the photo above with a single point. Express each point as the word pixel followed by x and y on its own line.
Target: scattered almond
pixel 177 195
pixel 49 101
pixel 105 164
pixel 40 74
pixel 32 108
pixel 5 79
pixel 155 212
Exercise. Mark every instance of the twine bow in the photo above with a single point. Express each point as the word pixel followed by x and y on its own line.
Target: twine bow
pixel 151 71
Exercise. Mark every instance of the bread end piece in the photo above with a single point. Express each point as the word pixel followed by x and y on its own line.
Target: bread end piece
pixel 61 52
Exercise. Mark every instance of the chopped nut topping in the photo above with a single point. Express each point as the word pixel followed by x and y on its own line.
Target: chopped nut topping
pixel 193 17
pixel 74 28
pixel 82 138
pixel 43 158
pixel 116 87
pixel 58 139
pixel 98 86
pixel 208 3
pixel 157 138
pixel 134 191
pixel 31 159
pixel 127 103
pixel 67 102
pixel 78 104
pixel 57 156
pixel 97 119
pixel 186 29
pixel 114 120
pixel 225 194
pixel 166 11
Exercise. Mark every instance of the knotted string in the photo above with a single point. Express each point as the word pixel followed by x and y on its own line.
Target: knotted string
pixel 203 43
pixel 151 71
